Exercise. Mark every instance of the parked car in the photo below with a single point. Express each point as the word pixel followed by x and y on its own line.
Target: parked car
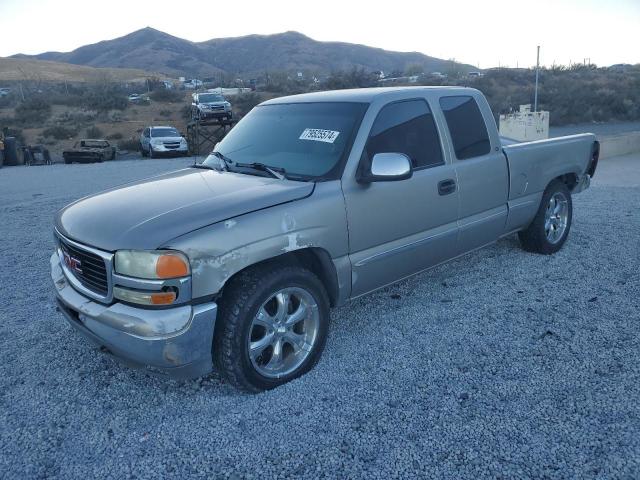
pixel 89 151
pixel 210 107
pixel 4 92
pixel 193 84
pixel 157 141
pixel 310 201
pixel 138 98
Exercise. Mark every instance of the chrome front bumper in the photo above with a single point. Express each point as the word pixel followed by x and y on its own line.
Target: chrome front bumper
pixel 173 341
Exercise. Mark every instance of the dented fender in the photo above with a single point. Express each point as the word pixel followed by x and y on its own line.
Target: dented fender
pixel 219 251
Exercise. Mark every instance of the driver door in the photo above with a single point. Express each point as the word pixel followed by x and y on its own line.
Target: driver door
pixel 398 228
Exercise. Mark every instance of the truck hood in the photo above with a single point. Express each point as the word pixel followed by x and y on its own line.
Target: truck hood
pixel 149 213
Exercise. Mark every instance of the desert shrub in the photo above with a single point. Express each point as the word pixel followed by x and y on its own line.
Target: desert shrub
pixel 354 78
pixel 76 118
pixel 67 99
pixel 185 112
pixel 131 144
pixel 105 97
pixel 59 132
pixel 33 111
pixel 115 136
pixel 166 95
pixel 165 113
pixel 8 101
pixel 94 132
pixel 243 103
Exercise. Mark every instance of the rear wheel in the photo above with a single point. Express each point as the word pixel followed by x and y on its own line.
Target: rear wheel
pixel 550 227
pixel 272 327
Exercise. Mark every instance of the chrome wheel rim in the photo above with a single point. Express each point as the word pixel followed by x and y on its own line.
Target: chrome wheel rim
pixel 283 332
pixel 556 217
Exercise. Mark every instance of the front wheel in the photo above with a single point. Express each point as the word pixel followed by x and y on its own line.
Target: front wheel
pixel 272 327
pixel 550 227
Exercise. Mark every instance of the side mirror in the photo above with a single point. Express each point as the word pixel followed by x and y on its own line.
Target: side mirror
pixel 387 167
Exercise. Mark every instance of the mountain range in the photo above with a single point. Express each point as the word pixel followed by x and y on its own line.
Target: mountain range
pixel 152 50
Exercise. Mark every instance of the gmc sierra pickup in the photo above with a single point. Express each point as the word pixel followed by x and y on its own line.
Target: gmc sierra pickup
pixel 310 201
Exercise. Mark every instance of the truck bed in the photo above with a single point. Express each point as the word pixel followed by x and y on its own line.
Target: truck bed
pixel 532 165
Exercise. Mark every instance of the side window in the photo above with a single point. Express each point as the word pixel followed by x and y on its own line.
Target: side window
pixel 407 127
pixel 466 126
pixel 146 132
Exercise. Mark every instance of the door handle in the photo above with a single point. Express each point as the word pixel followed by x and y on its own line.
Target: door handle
pixel 445 187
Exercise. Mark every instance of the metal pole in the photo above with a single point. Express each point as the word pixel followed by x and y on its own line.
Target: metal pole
pixel 535 98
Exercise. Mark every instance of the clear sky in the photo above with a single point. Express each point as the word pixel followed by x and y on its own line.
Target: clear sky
pixel 481 32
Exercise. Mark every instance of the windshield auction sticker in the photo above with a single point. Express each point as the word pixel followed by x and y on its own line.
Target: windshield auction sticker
pixel 319 135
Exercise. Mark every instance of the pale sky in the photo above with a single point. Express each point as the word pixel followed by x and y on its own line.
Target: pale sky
pixel 487 33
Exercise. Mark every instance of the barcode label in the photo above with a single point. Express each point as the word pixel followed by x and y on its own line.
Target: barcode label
pixel 319 135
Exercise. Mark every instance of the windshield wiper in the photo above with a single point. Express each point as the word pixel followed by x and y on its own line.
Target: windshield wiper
pixel 276 172
pixel 226 161
pixel 204 166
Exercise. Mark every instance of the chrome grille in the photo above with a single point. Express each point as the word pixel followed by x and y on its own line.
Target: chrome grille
pixel 87 267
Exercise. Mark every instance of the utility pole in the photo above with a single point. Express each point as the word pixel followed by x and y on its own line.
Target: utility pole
pixel 535 98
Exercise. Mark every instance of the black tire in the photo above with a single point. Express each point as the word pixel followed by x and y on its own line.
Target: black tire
pixel 152 154
pixel 242 298
pixel 534 238
pixel 67 161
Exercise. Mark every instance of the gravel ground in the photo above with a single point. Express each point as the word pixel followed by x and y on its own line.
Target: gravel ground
pixel 501 364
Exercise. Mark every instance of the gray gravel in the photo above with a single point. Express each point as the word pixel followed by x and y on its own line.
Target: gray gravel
pixel 502 364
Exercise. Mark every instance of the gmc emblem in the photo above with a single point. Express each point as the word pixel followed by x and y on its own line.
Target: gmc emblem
pixel 72 263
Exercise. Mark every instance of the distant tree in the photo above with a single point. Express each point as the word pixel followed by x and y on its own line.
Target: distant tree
pixel 413 69
pixel 354 78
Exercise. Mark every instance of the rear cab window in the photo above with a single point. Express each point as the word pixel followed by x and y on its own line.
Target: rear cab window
pixel 467 127
pixel 406 127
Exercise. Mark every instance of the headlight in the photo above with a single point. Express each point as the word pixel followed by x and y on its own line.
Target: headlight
pixel 161 264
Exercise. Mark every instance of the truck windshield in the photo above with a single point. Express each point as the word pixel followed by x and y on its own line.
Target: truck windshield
pixel 210 98
pixel 304 139
pixel 164 132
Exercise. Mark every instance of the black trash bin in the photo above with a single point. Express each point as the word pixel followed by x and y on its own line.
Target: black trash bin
pixel 11 151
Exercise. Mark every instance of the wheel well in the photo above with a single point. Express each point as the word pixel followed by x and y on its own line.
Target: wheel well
pixel 569 179
pixel 314 259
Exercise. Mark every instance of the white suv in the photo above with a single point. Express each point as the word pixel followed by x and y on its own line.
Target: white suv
pixel 156 141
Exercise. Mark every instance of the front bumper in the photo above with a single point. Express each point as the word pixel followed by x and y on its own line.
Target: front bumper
pixel 215 114
pixel 174 341
pixel 160 148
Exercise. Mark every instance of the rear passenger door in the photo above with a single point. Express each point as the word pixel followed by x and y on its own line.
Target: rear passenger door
pixel 481 168
pixel 399 228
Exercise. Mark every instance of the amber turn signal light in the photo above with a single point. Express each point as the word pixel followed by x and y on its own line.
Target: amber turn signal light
pixel 163 298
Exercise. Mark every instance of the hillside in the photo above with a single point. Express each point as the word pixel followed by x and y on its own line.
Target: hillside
pixel 14 69
pixel 150 49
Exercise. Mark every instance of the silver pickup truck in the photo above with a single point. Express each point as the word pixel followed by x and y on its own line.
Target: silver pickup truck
pixel 309 202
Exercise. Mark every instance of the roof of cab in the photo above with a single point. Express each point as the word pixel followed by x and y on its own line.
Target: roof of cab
pixel 358 95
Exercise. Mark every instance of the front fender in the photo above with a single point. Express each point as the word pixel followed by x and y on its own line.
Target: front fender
pixel 220 251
